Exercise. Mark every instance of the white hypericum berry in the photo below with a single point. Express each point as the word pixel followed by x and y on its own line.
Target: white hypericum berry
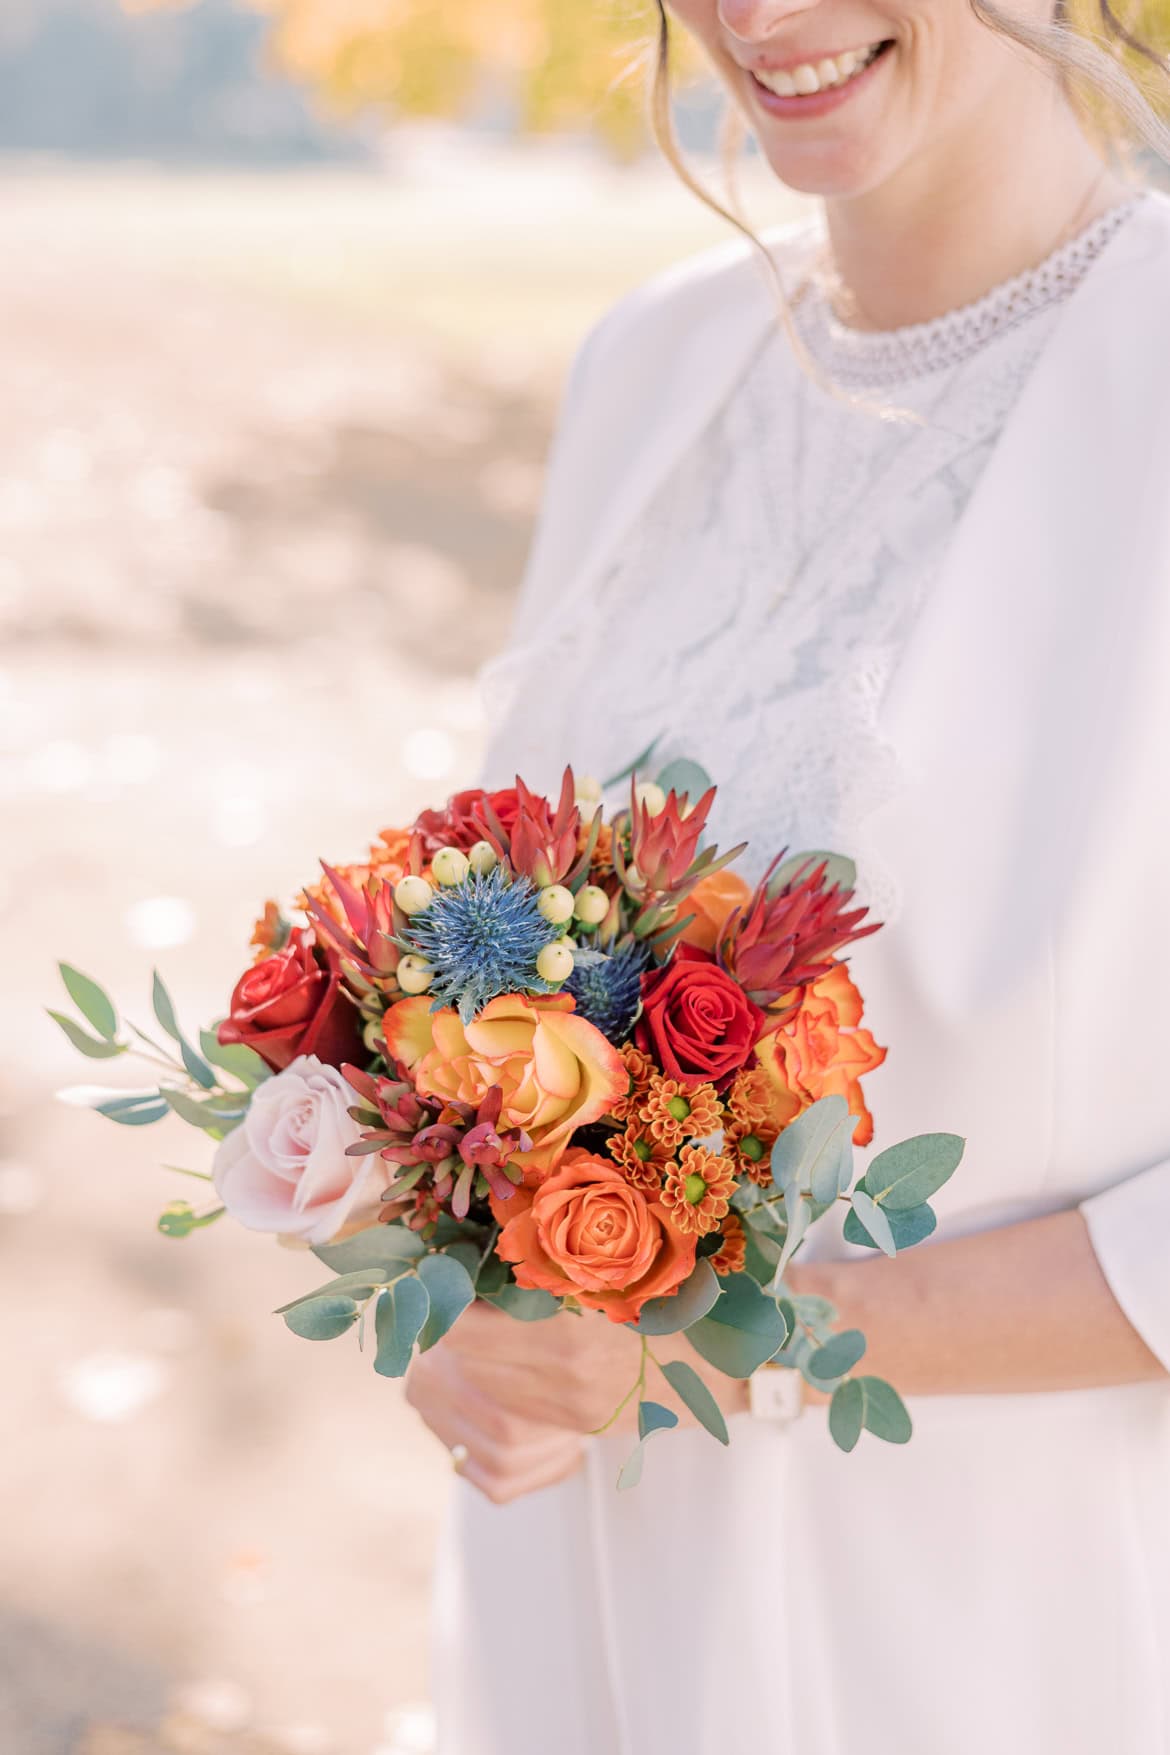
pixel 415 974
pixel 651 796
pixel 450 867
pixel 588 788
pixel 555 904
pixel 591 905
pixel 483 858
pixel 555 962
pixel 413 894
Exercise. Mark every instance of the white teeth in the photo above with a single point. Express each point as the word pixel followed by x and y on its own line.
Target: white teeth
pixel 807 78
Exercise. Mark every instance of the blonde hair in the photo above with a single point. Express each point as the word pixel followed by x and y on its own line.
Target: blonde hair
pixel 1108 100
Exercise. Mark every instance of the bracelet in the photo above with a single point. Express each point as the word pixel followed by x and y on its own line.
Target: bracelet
pixel 776 1393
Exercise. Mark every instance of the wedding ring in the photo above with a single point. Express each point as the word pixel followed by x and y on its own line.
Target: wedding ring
pixel 459 1457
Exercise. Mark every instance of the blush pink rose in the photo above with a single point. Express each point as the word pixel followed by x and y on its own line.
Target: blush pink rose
pixel 284 1169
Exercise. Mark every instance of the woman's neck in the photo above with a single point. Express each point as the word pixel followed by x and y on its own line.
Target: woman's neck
pixel 901 256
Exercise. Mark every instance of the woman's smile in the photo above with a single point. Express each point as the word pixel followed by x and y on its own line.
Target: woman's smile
pixel 807 88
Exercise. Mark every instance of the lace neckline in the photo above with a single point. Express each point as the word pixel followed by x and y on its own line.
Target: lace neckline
pixel 889 356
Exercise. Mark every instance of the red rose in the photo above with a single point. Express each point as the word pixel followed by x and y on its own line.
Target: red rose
pixel 290 1004
pixel 696 1021
pixel 460 823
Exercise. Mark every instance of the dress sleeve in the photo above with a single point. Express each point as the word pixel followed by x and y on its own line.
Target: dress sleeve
pixel 1129 1226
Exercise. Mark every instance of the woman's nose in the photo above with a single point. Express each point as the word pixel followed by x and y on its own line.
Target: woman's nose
pixel 754 21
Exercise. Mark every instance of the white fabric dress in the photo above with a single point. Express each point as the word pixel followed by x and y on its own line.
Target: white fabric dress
pixel 1003 1583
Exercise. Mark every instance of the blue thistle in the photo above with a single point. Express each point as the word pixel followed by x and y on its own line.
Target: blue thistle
pixel 482 938
pixel 608 988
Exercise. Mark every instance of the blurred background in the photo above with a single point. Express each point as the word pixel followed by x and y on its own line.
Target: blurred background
pixel 286 304
pixel 287 300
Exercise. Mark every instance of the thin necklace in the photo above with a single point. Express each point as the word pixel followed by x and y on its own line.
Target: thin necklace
pixel 843 302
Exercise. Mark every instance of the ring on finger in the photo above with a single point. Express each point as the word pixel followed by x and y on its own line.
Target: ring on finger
pixel 460 1457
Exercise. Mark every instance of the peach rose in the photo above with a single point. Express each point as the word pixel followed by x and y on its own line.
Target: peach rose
pixel 285 1168
pixel 822 1053
pixel 711 902
pixel 556 1070
pixel 586 1233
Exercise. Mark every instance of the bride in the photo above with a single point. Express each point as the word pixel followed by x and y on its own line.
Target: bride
pixel 896 570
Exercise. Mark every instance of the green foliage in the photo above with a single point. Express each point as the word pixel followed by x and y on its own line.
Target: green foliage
pixel 652 1418
pixel 179 1219
pixel 234 1058
pixel 164 1011
pixel 381 1247
pixel 907 1228
pixel 526 1304
pixel 399 1318
pixel 838 1356
pixel 134 1108
pixel 691 1390
pixel 871 1404
pixel 873 1221
pixel 687 777
pixel 322 1319
pixel 840 870
pixel 742 1330
pixel 92 1001
pixel 814 1154
pixel 694 1298
pixel 94 1047
pixel 906 1175
pixel 450 1290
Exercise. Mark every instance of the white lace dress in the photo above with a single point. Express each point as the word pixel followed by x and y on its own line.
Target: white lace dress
pixel 780 1597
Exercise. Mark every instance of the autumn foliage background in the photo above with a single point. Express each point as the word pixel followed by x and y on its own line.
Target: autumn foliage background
pixel 246 410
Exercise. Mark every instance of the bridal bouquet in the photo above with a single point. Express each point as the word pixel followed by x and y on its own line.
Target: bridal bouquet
pixel 556 1057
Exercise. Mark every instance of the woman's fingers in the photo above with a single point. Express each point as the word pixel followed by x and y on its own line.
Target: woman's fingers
pixel 507 1455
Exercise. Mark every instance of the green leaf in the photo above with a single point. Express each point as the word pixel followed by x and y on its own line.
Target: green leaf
pixel 138 1109
pixel 492 1276
pixel 743 1328
pixel 683 776
pixel 694 1298
pixel 653 1417
pixel 840 870
pixel 201 1112
pixel 838 1356
pixel 164 1011
pixel 905 1175
pixel 816 1313
pixel 92 1001
pixel 847 1413
pixel 179 1219
pixel 93 1046
pixel 398 1321
pixel 886 1415
pixel 872 1219
pixel 323 1319
pixel 380 1246
pixel 689 1387
pixel 815 1152
pixel 467 1254
pixel 450 1290
pixel 632 767
pixel 523 1303
pixel 907 1228
pixel 355 1285
pixel 233 1057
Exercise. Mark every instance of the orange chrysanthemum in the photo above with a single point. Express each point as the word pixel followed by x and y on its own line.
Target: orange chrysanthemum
pixel 601 864
pixel 640 1067
pixel 698 1190
pixel 270 933
pixel 731 1255
pixel 323 893
pixel 756 1115
pixel 672 1112
pixel 390 854
pixel 821 1052
pixel 641 1158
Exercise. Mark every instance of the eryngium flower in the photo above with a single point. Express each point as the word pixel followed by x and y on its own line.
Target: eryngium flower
pixel 482 938
pixel 608 989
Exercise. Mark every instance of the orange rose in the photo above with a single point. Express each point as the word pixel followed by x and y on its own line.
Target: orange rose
pixel 586 1233
pixel 711 902
pixel 556 1070
pixel 822 1053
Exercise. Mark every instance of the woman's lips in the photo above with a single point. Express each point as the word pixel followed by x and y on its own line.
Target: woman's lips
pixel 818 103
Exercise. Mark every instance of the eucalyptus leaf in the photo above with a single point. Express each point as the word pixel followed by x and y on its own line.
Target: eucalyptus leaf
pixel 398 1321
pixel 742 1330
pixel 906 1175
pixel 872 1219
pixel 355 1285
pixel 523 1303
pixel 815 1152
pixel 653 1417
pixel 450 1289
pixel 907 1228
pixel 632 767
pixel 96 1047
pixel 685 777
pixel 92 1001
pixel 838 1356
pixel 886 1415
pixel 694 1298
pixel 492 1276
pixel 799 1220
pixel 631 1470
pixel 693 1392
pixel 381 1246
pixel 322 1320
pixel 235 1058
pixel 840 870
pixel 164 1011
pixel 179 1219
pixel 815 1313
pixel 847 1413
